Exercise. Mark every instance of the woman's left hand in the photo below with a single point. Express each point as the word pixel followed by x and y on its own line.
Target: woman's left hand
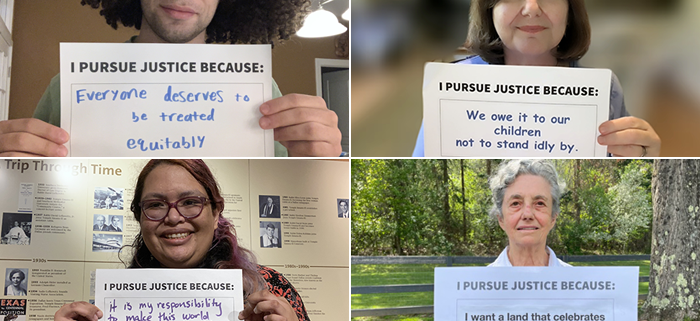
pixel 629 137
pixel 263 305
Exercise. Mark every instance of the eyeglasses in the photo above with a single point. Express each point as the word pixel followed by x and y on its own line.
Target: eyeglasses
pixel 188 207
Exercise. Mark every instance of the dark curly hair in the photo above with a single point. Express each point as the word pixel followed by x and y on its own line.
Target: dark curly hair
pixel 235 21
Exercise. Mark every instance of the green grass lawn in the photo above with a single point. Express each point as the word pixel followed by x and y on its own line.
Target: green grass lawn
pixel 364 275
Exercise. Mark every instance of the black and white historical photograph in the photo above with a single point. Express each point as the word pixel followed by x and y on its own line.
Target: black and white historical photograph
pixel 106 242
pixel 16 228
pixel 115 222
pixel 109 198
pixel 269 206
pixel 16 281
pixel 107 223
pixel 99 223
pixel 270 234
pixel 343 208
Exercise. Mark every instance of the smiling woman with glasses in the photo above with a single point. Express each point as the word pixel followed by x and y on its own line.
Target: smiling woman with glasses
pixel 179 208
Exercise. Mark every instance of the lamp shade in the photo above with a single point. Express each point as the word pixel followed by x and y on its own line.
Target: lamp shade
pixel 346 15
pixel 321 23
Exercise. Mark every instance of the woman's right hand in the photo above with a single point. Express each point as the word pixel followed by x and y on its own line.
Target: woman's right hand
pixel 81 311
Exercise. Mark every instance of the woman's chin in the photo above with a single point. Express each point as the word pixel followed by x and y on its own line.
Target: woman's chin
pixel 528 241
pixel 178 258
pixel 530 50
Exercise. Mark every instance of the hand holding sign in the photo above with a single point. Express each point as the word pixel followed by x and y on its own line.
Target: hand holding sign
pixel 31 137
pixel 624 137
pixel 303 124
pixel 263 305
pixel 78 311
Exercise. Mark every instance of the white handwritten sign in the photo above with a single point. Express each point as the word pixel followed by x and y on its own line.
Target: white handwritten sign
pixel 514 111
pixel 536 293
pixel 169 294
pixel 162 100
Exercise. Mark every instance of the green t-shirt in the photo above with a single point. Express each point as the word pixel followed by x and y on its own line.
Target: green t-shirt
pixel 49 107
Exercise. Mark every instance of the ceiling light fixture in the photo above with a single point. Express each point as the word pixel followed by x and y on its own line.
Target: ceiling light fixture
pixel 321 23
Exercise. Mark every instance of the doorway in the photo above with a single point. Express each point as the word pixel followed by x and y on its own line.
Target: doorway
pixel 333 84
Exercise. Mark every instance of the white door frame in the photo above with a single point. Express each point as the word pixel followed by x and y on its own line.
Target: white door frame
pixel 334 63
pixel 6 15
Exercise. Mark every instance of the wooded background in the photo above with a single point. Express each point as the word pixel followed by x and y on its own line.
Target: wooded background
pixel 440 207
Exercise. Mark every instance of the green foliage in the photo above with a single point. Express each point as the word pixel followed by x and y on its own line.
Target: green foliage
pixel 396 208
pixel 631 210
pixel 409 207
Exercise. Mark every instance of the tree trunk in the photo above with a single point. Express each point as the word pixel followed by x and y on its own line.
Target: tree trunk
pixel 398 215
pixel 674 281
pixel 577 188
pixel 446 199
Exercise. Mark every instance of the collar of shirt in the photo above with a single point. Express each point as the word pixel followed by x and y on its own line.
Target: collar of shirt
pixel 502 259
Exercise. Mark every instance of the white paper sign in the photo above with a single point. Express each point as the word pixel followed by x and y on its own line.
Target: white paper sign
pixel 169 294
pixel 536 293
pixel 157 100
pixel 514 111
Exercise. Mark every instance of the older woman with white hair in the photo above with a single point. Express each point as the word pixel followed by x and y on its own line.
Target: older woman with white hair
pixel 526 197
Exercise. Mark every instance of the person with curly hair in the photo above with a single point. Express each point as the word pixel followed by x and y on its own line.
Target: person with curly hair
pixel 302 124
pixel 179 207
pixel 15 288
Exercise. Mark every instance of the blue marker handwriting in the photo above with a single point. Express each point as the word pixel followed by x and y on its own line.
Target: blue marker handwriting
pixel 83 94
pixel 194 116
pixel 165 309
pixel 176 117
pixel 171 95
pixel 184 142
pixel 184 97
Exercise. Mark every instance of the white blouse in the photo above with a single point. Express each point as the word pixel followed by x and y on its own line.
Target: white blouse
pixel 502 259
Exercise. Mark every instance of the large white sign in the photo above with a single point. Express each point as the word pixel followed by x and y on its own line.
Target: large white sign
pixel 514 111
pixel 169 294
pixel 536 293
pixel 155 100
